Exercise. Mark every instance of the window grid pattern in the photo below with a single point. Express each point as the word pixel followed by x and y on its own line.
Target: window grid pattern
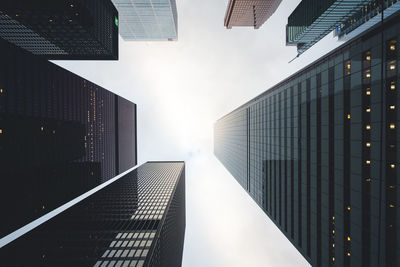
pixel 152 20
pixel 337 213
pixel 122 224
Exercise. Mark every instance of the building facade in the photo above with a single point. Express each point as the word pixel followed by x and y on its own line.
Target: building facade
pixel 60 135
pixel 312 20
pixel 138 220
pixel 148 20
pixel 250 13
pixel 319 152
pixel 61 29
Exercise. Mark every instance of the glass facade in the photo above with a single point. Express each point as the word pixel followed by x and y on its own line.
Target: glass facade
pixel 138 220
pixel 319 153
pixel 314 19
pixel 61 29
pixel 147 20
pixel 59 136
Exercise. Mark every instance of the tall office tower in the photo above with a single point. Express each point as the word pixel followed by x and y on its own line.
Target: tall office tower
pixel 319 152
pixel 138 220
pixel 251 13
pixel 314 19
pixel 62 29
pixel 148 20
pixel 60 135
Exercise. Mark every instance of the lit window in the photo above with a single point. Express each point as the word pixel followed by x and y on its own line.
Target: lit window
pixel 392 47
pixel 348 254
pixel 392 67
pixel 50 20
pixel 392 126
pixel 368 75
pixel 392 166
pixel 392 86
pixel 392 107
pixel 333 231
pixel 368 110
pixel 43 207
pixel 368 92
pixel 333 217
pixel 368 162
pixel 348 208
pixel 368 179
pixel 368 144
pixel 368 127
pixel 333 245
pixel 71 5
pixel 391 205
pixel 76 14
pixel 1 90
pixel 17 15
pixel 368 57
pixel 54 131
pixel 1 131
pixel 348 238
pixel 348 66
pixel 41 128
pixel 333 258
pixel 348 116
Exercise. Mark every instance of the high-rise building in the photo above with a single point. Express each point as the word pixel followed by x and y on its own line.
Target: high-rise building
pixel 319 152
pixel 62 29
pixel 60 135
pixel 138 220
pixel 314 19
pixel 251 13
pixel 147 20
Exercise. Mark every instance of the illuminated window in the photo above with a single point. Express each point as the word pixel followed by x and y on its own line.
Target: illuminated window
pixel 368 127
pixel 1 90
pixel 348 208
pixel 348 66
pixel 17 15
pixel 392 126
pixel 368 179
pixel 54 131
pixel 1 131
pixel 368 110
pixel 348 254
pixel 348 116
pixel 333 231
pixel 392 107
pixel 392 47
pixel 392 166
pixel 41 128
pixel 368 92
pixel 76 14
pixel 368 57
pixel 392 86
pixel 71 5
pixel 50 20
pixel 368 162
pixel 391 206
pixel 333 245
pixel 392 67
pixel 333 258
pixel 368 144
pixel 43 207
pixel 368 75
pixel 348 238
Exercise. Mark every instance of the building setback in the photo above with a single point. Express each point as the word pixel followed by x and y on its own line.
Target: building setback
pixel 61 29
pixel 148 20
pixel 319 153
pixel 138 220
pixel 60 135
pixel 251 13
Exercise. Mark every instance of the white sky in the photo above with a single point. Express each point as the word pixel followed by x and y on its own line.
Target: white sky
pixel 181 88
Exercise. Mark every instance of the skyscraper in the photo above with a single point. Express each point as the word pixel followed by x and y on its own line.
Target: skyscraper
pixel 147 20
pixel 61 29
pixel 318 152
pixel 249 13
pixel 138 220
pixel 60 135
pixel 312 20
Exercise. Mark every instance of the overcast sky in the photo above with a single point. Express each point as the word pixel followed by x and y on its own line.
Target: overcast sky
pixel 181 88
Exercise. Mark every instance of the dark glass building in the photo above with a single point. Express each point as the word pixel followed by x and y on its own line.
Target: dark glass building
pixel 60 135
pixel 138 220
pixel 319 152
pixel 61 29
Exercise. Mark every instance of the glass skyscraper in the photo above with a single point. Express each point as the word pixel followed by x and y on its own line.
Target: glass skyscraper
pixel 60 135
pixel 319 152
pixel 147 20
pixel 138 220
pixel 62 29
